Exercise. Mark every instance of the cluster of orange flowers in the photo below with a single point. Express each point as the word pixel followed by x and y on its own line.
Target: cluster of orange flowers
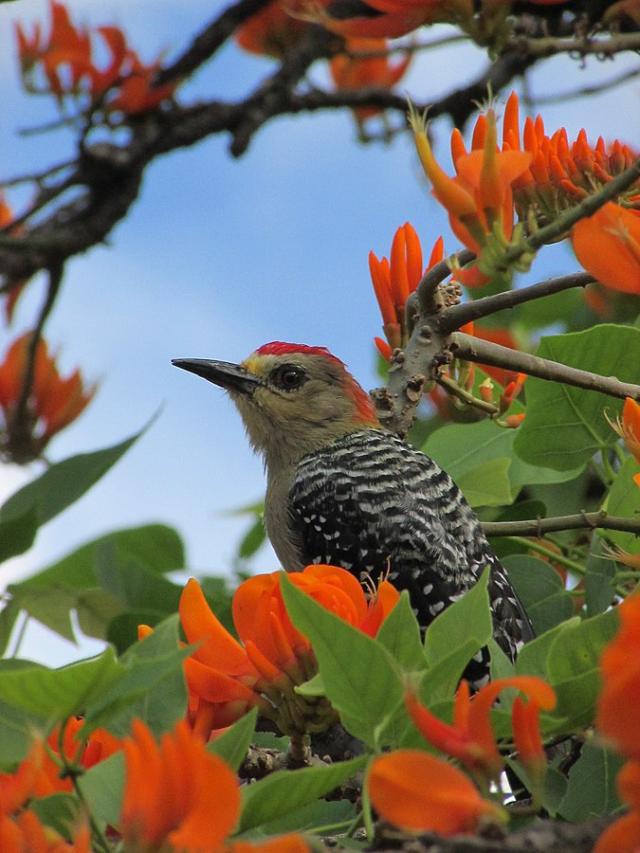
pixel 53 401
pixel 40 775
pixel 177 796
pixel 421 793
pixel 226 677
pixel 66 59
pixel 541 176
pixel 618 721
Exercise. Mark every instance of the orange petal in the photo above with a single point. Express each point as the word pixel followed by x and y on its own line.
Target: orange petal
pixel 621 837
pixel 420 793
pixel 217 648
pixel 607 245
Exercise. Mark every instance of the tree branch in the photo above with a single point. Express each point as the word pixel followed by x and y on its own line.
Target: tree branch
pixel 452 318
pixel 550 46
pixel 485 352
pixel 207 42
pixel 583 520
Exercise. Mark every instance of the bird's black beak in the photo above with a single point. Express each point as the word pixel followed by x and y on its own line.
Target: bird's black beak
pixel 232 377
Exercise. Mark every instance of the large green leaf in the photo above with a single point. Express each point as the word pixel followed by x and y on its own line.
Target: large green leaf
pixel 156 547
pixel 463 449
pixel 102 787
pixel 469 618
pixel 591 791
pixel 286 791
pixel 58 693
pixel 599 585
pixel 18 533
pixel 400 635
pixel 624 499
pixel 361 681
pixel 63 483
pixel 540 590
pixel 149 686
pixel 565 425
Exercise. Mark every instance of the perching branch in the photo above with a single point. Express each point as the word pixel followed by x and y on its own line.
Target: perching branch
pixel 583 520
pixel 485 352
pixel 453 318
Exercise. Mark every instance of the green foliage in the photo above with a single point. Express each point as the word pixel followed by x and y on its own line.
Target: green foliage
pixel 541 591
pixel 565 426
pixel 591 789
pixel 286 791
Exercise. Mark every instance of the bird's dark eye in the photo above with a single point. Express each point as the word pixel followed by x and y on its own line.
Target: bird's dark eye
pixel 288 377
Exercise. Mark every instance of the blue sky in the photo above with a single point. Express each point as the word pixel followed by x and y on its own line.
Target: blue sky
pixel 219 256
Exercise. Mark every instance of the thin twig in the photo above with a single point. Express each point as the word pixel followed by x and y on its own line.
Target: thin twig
pixel 456 316
pixel 411 47
pixel 474 349
pixel 20 418
pixel 427 288
pixel 207 42
pixel 586 91
pixel 583 520
pixel 37 177
pixel 541 47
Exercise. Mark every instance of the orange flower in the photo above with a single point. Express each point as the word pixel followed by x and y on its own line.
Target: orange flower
pixel 180 797
pixel 479 199
pixel 607 245
pixel 511 391
pixel 420 793
pixel 52 404
pixel 11 298
pixel 351 72
pixel 226 677
pixel 525 720
pixel 629 429
pixel 271 31
pixel 561 173
pixel 622 836
pixel 66 58
pixel 20 828
pixel 394 281
pixel 470 738
pixel 618 714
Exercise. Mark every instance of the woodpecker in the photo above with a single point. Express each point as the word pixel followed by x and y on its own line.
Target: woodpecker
pixel 341 490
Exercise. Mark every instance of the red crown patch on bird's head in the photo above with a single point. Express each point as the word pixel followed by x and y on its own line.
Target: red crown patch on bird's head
pixel 364 408
pixel 283 348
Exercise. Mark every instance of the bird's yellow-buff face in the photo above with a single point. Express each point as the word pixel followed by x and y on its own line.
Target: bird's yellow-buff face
pixel 293 399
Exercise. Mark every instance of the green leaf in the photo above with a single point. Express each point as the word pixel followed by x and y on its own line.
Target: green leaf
pixel 400 635
pixel 153 546
pixel 532 658
pixel 253 539
pixel 441 680
pixel 59 811
pixel 599 584
pixel 52 607
pixel 310 818
pixel 150 685
pixel 591 791
pixel 360 678
pixel 578 647
pixel 459 448
pixel 624 499
pixel 96 610
pixel 469 618
pixel 63 483
pixel 233 743
pixel 541 591
pixel 102 787
pixel 136 586
pixel 58 693
pixel 487 484
pixel 17 534
pixel 8 616
pixel 285 791
pixel 565 425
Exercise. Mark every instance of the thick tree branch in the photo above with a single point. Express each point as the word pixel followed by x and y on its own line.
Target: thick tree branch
pixel 452 318
pixel 583 520
pixel 474 349
pixel 207 42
